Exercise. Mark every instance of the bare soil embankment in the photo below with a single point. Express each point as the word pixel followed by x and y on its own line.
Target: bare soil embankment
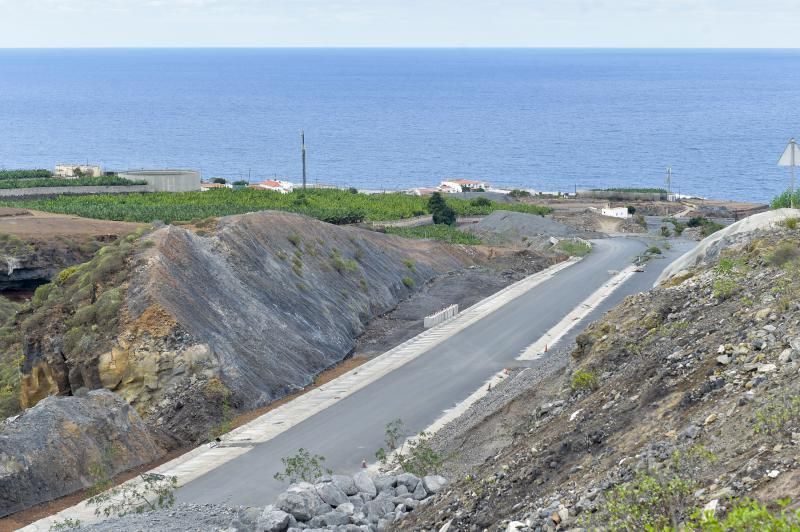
pixel 194 325
pixel 687 393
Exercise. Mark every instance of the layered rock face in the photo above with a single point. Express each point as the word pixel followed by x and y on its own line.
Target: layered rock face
pixel 233 318
pixel 64 444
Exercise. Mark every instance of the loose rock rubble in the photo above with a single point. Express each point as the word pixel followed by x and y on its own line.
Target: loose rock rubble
pixel 361 503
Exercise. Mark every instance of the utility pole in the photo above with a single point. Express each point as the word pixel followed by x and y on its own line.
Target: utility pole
pixel 669 181
pixel 303 155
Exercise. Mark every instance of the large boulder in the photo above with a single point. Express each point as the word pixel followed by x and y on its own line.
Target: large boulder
pixel 329 519
pixel 65 444
pixel 345 483
pixel 408 480
pixel 303 502
pixel 273 520
pixel 383 482
pixel 364 483
pixel 434 483
pixel 330 493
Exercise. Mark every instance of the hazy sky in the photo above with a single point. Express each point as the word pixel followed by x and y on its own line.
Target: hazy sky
pixel 591 23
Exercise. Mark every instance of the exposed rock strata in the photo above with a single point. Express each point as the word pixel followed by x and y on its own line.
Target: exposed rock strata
pixel 64 444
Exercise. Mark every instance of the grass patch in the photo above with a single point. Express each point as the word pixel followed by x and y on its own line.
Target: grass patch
pixel 574 248
pixel 443 232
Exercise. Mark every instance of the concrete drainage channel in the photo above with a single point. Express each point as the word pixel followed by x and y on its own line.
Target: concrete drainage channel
pixel 203 459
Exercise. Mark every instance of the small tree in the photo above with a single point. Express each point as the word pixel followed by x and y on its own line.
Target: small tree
pixel 441 211
pixel 302 466
pixel 220 180
pixel 414 456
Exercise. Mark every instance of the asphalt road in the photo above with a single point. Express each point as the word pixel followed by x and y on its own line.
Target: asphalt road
pixel 418 393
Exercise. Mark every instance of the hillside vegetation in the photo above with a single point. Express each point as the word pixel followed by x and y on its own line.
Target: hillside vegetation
pixel 679 411
pixel 329 205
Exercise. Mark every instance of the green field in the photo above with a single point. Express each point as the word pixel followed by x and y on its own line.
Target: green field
pixel 103 181
pixel 333 206
pixel 445 233
pixel 44 178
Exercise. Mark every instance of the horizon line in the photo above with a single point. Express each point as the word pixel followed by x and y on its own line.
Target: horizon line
pixel 403 47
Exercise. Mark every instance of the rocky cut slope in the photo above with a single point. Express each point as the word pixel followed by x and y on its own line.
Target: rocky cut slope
pixel 681 400
pixel 189 325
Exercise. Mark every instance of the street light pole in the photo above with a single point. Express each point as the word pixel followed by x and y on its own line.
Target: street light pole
pixel 303 155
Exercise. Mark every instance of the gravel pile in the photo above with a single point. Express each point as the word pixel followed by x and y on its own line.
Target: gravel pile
pixel 528 230
pixel 181 517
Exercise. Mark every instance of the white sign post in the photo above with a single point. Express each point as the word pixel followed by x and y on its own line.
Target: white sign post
pixel 791 158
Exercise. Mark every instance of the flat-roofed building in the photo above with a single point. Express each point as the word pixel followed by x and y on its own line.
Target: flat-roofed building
pixel 166 180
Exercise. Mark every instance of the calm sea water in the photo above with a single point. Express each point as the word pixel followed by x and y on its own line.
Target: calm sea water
pixel 547 119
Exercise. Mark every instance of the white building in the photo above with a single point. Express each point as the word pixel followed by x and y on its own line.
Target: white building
pixel 454 186
pixel 284 187
pixel 74 171
pixel 616 212
pixel 214 186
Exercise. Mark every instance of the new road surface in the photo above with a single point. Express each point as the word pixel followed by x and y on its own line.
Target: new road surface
pixel 351 429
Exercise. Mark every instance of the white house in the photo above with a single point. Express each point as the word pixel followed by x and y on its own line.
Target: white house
pixel 616 212
pixel 459 185
pixel 214 186
pixel 284 187
pixel 74 171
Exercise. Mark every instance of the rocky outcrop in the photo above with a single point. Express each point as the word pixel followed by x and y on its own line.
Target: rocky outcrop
pixel 64 444
pixel 198 324
pixel 709 249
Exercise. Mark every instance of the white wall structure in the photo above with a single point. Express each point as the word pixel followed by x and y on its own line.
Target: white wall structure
pixel 73 171
pixel 616 212
pixel 441 316
pixel 166 180
pixel 459 185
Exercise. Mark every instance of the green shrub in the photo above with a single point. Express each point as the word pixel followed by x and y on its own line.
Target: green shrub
pixel 653 250
pixel 302 466
pixel 408 282
pixel 445 233
pixel 665 232
pixel 295 239
pixel 784 200
pixel 584 380
pixel 409 263
pixel 574 248
pixel 786 252
pixel 747 515
pixel 415 456
pixel 481 202
pixel 790 223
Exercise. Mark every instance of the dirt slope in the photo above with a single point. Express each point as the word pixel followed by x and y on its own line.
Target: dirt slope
pixel 191 325
pixel 680 398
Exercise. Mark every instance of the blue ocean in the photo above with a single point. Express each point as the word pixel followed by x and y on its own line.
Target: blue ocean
pixel 398 118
